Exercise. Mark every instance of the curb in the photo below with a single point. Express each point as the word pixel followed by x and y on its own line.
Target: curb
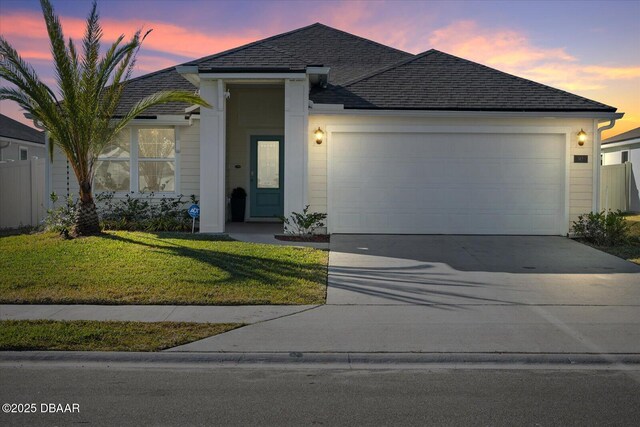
pixel 365 360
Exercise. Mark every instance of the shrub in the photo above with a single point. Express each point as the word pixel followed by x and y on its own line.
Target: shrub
pixel 304 223
pixel 602 228
pixel 144 213
pixel 61 219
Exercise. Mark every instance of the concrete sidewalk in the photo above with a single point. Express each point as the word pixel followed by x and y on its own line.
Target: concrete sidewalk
pixel 151 313
pixel 264 232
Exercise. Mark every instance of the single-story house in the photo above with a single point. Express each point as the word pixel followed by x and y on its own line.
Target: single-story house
pixel 19 142
pixel 625 148
pixel 381 140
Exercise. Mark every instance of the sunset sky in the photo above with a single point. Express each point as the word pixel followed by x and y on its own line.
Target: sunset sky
pixel 590 48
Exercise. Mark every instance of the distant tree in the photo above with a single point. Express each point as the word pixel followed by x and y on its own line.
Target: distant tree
pixel 83 121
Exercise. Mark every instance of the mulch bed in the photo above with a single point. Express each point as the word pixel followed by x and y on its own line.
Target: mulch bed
pixel 315 238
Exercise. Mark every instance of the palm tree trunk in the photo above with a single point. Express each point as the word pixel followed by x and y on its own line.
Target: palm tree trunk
pixel 87 222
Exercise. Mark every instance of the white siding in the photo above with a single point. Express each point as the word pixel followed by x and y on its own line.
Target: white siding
pixel 189 159
pixel 63 179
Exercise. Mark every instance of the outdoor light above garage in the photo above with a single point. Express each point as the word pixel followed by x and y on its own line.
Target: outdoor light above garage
pixel 319 135
pixel 582 137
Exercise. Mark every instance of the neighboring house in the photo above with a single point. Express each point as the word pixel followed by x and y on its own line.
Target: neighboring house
pixel 625 148
pixel 426 143
pixel 19 142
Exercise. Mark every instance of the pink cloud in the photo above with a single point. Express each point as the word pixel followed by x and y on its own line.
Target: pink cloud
pixel 493 47
pixel 23 27
pixel 150 63
pixel 371 20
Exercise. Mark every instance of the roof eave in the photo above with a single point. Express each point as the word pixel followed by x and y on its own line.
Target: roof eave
pixel 435 112
pixel 189 72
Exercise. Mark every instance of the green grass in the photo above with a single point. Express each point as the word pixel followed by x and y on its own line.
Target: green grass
pixel 630 250
pixel 157 268
pixel 82 335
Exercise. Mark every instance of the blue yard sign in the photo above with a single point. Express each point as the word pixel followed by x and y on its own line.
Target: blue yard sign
pixel 194 212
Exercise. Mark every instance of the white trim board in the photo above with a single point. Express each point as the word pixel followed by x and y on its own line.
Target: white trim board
pixel 334 109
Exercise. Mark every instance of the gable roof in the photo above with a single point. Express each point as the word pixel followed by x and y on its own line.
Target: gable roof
pixel 13 129
pixel 368 75
pixel 435 80
pixel 625 136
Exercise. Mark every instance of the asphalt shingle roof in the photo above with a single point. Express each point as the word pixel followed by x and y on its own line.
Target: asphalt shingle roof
pixel 10 128
pixel 368 75
pixel 625 136
pixel 435 80
pixel 347 55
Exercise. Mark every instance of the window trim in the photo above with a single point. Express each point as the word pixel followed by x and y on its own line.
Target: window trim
pixel 134 158
pixel 23 150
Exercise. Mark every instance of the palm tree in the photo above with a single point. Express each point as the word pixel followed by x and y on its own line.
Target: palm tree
pixel 83 121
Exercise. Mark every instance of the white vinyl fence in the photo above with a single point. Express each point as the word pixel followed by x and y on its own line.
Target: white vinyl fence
pixel 614 186
pixel 22 198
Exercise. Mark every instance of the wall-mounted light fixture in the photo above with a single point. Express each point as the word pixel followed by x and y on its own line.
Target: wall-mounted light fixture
pixel 319 136
pixel 582 137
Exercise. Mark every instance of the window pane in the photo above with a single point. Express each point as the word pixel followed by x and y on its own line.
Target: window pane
pixel 156 176
pixel 111 175
pixel 156 143
pixel 268 164
pixel 119 147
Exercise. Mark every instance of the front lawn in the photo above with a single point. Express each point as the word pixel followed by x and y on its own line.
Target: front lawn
pixel 82 335
pixel 157 268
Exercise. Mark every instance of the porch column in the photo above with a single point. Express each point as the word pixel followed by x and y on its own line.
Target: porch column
pixel 212 157
pixel 296 110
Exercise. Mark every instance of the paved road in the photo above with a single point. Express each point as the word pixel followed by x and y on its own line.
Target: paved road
pixel 247 396
pixel 459 294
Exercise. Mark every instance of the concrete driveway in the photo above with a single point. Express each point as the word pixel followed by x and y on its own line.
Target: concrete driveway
pixel 475 270
pixel 459 294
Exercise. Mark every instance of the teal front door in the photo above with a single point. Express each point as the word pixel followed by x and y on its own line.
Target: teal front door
pixel 267 173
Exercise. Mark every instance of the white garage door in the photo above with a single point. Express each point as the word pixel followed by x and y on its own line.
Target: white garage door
pixel 425 183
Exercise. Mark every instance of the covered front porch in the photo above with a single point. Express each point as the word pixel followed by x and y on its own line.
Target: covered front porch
pixel 254 137
pixel 255 145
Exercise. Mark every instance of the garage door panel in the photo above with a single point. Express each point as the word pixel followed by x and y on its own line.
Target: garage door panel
pixel 446 183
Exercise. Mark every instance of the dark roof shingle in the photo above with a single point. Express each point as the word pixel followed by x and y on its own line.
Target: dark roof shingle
pixel 625 136
pixel 347 55
pixel 10 128
pixel 435 80
pixel 368 75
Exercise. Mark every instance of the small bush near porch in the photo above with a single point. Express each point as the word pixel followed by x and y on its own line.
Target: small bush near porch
pixel 157 268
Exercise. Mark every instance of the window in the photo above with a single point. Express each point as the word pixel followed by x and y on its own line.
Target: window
pixel 156 160
pixel 139 159
pixel 268 164
pixel 625 157
pixel 113 165
pixel 24 153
